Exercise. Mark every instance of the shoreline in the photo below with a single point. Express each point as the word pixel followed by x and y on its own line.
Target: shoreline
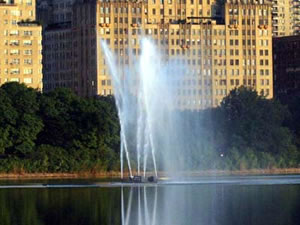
pixel 114 175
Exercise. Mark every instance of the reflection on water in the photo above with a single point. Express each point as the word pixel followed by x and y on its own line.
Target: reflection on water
pixel 211 204
pixel 141 211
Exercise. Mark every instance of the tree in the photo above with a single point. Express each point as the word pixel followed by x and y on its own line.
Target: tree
pixel 251 121
pixel 24 124
pixel 8 118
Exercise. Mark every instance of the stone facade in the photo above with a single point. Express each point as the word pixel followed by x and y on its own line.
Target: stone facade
pixel 21 44
pixel 224 45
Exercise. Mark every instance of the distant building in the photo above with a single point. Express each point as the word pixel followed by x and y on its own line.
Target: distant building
pixel 286 65
pixel 54 11
pixel 285 17
pixel 225 45
pixel 282 18
pixel 57 53
pixel 21 44
pixel 296 16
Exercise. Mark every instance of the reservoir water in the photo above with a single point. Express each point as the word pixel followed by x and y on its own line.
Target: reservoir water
pixel 246 200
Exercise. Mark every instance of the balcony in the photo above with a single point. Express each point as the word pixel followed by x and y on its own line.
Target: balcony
pixel 185 46
pixel 135 25
pixel 28 23
pixel 104 24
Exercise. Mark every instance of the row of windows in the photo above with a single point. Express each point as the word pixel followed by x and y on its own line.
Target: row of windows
pixel 62 5
pixel 17 33
pixel 247 72
pixel 194 92
pixel 204 102
pixel 180 12
pixel 188 52
pixel 192 2
pixel 58 56
pixel 26 71
pixel 58 36
pixel 265 92
pixel 248 12
pixel 188 42
pixel 61 17
pixel 180 83
pixel 178 52
pixel 17 42
pixel 57 66
pixel 25 80
pixel 248 32
pixel 265 82
pixel 138 10
pixel 17 12
pixel 249 62
pixel 17 62
pixel 161 31
pixel 17 52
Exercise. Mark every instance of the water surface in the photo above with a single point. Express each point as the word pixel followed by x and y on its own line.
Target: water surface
pixel 251 200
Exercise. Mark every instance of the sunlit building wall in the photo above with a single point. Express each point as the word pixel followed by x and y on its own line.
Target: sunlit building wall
pixel 282 17
pixel 224 45
pixel 20 46
pixel 249 46
pixel 296 17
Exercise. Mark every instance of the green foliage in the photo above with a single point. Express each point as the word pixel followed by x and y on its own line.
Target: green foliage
pixel 254 133
pixel 56 131
pixel 61 132
pixel 23 125
pixel 249 132
pixel 253 122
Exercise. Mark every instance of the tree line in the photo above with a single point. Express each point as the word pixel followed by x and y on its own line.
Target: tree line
pixel 249 131
pixel 56 131
pixel 62 132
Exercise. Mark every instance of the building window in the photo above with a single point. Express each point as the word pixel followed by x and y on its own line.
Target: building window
pixel 262 72
pixel 27 42
pixel 267 72
pixel 28 61
pixel 14 79
pixel 261 62
pixel 266 52
pixel 27 33
pixel 28 80
pixel 27 52
pixel 29 2
pixel 28 71
pixel 266 62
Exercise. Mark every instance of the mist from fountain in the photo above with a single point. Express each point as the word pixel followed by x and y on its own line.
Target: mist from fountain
pixel 145 98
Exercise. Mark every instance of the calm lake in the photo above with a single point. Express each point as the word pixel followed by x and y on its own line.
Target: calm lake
pixel 255 200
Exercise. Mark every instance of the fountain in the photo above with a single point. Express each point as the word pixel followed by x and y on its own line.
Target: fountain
pixel 145 91
pixel 142 100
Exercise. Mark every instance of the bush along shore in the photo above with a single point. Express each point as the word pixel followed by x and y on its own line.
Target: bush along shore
pixel 60 133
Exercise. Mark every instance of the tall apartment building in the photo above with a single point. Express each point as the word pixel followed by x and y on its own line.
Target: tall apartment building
pixel 56 16
pixel 296 17
pixel 285 17
pixel 282 17
pixel 21 43
pixel 224 45
pixel 54 11
pixel 287 65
